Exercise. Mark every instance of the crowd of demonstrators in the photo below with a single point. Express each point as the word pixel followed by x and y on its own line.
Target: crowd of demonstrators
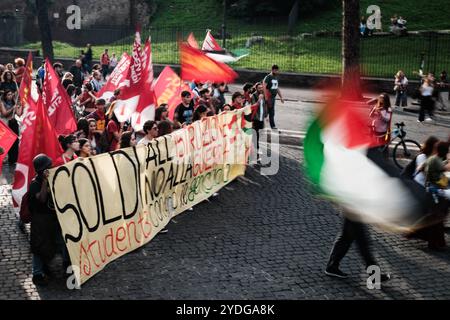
pixel 98 129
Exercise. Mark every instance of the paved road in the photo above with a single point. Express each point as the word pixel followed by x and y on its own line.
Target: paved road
pixel 264 237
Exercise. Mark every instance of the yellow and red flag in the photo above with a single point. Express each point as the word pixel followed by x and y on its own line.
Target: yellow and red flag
pixel 27 81
pixel 196 66
pixel 168 88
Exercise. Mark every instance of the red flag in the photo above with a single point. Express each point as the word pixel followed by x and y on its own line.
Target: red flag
pixel 7 139
pixel 57 102
pixel 27 80
pixel 117 79
pixel 38 136
pixel 192 41
pixel 210 44
pixel 168 88
pixel 137 100
pixel 196 66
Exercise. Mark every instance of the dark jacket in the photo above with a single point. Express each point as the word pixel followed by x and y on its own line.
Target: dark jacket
pixel 44 226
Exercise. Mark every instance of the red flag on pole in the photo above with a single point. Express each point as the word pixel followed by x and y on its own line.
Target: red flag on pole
pixel 7 139
pixel 196 66
pixel 38 136
pixel 27 80
pixel 57 102
pixel 168 88
pixel 137 100
pixel 117 79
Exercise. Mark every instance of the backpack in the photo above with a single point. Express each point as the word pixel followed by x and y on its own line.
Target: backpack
pixel 409 170
pixel 104 142
pixel 24 213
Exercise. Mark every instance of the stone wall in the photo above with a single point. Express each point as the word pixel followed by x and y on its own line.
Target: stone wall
pixel 102 21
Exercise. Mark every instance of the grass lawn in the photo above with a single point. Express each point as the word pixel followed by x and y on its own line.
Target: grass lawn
pixel 380 56
pixel 420 14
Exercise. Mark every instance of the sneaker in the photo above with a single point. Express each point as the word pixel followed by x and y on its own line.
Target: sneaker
pixel 274 128
pixel 215 194
pixel 190 209
pixel 428 119
pixel 40 280
pixel 165 230
pixel 335 272
pixel 419 121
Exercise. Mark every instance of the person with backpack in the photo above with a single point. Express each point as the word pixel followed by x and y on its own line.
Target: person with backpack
pixel 46 236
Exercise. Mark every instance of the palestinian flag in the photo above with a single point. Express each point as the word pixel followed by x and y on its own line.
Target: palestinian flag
pixel 342 160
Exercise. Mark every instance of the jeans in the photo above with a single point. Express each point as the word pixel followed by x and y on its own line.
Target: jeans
pixel 401 97
pixel 351 231
pixel 272 113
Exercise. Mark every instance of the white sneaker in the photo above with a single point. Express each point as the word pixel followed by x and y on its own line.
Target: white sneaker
pixel 428 119
pixel 215 194
pixel 191 209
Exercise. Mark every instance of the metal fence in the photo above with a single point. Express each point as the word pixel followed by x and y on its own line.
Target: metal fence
pixel 381 55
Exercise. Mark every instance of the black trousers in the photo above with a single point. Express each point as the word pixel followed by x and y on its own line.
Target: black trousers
pixel 351 231
pixel 426 105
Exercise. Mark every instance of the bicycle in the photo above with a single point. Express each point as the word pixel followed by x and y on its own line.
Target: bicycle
pixel 405 150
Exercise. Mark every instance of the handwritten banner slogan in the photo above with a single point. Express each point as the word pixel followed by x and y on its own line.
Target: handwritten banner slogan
pixel 113 203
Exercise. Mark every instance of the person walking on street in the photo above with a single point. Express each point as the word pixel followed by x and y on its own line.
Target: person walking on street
pixel 105 63
pixel 401 83
pixel 426 100
pixel 351 231
pixel 271 91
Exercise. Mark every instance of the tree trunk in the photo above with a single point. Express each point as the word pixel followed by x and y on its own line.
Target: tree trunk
pixel 351 86
pixel 44 27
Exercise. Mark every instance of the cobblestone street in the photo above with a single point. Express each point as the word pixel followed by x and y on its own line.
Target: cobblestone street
pixel 263 237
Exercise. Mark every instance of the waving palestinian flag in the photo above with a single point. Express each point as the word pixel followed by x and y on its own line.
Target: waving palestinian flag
pixel 341 161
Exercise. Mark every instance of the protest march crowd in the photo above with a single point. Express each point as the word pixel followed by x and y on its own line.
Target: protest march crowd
pixel 91 109
pixel 88 111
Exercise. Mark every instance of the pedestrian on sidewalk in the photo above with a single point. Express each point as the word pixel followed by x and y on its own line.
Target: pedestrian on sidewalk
pixel 271 91
pixel 381 114
pixel 401 84
pixel 426 100
pixel 442 86
pixel 105 63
